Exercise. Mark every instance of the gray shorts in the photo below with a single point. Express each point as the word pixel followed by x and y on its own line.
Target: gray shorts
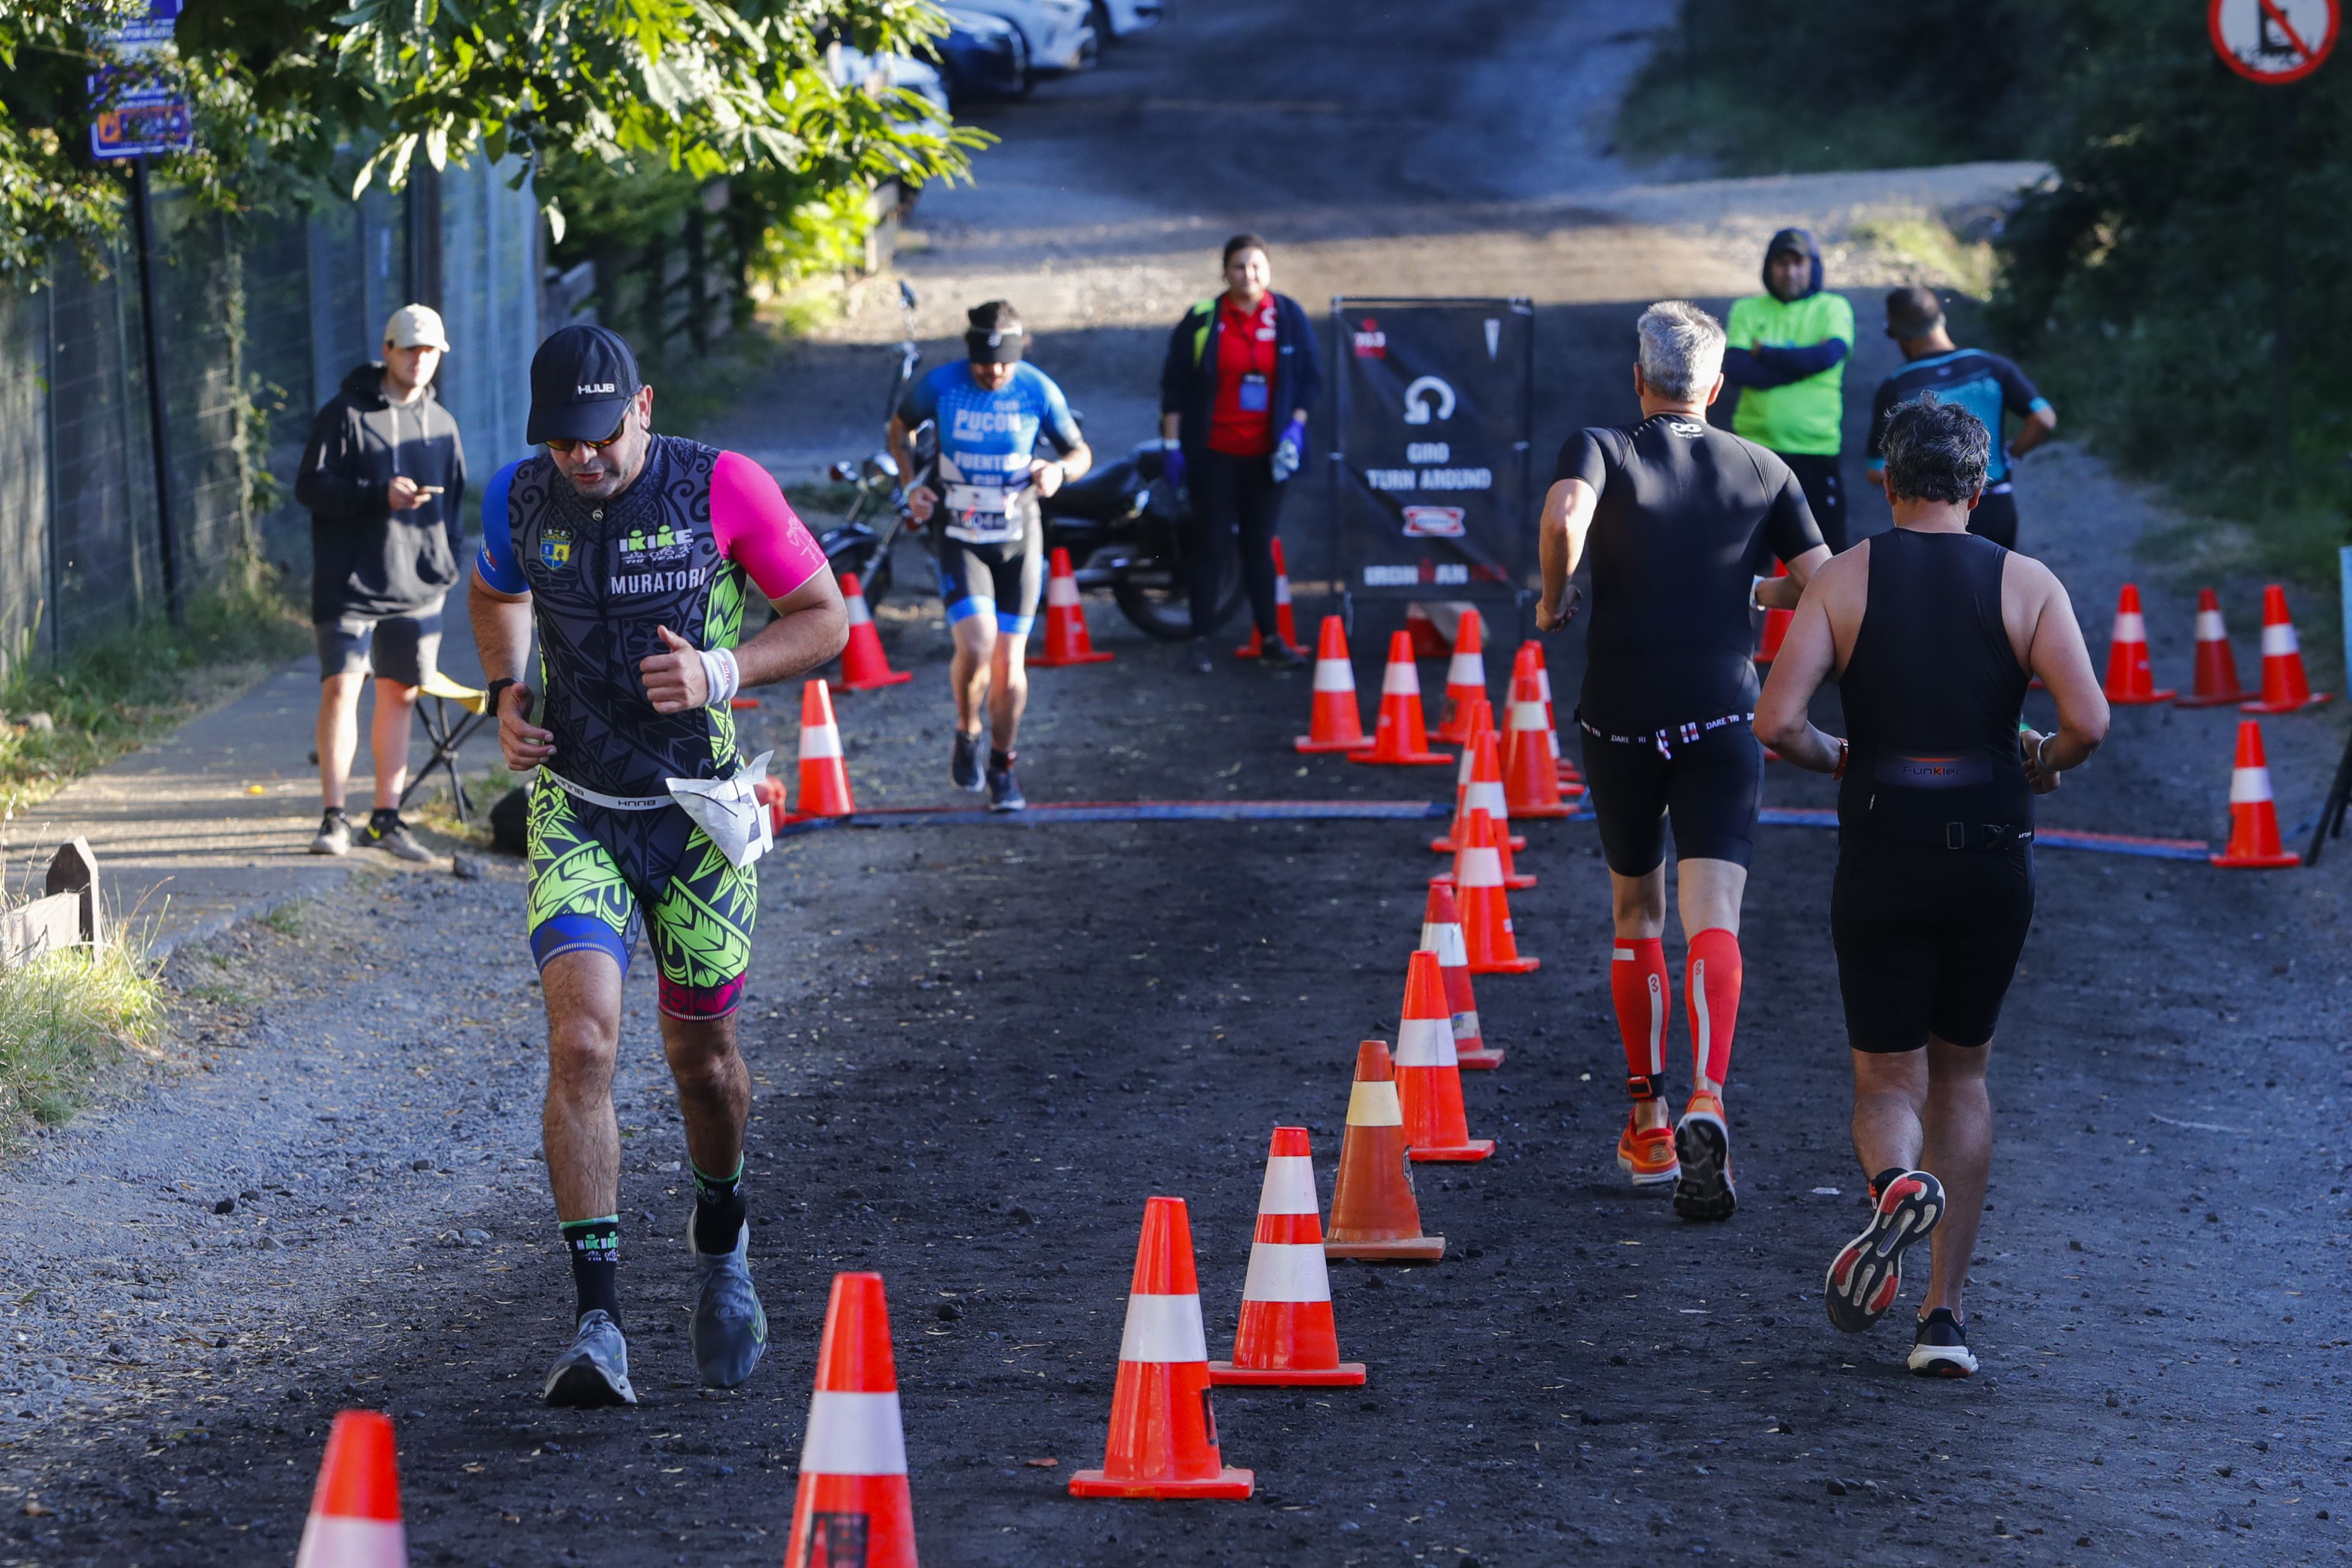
pixel 401 648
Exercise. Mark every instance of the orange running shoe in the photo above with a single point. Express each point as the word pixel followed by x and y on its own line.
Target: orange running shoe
pixel 1703 1142
pixel 1647 1156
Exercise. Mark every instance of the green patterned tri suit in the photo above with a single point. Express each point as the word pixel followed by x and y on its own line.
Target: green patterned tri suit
pixel 680 547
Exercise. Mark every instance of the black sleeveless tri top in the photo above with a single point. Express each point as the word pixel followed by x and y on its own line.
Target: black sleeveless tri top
pixel 1932 693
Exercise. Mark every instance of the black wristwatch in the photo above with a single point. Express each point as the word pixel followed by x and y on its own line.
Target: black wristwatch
pixel 495 690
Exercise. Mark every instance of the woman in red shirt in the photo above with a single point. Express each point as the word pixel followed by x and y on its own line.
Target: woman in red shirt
pixel 1239 381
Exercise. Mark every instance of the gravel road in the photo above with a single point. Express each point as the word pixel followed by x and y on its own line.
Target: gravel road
pixel 977 1051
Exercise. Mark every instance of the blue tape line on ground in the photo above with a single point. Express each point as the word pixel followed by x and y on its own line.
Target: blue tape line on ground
pixel 1135 812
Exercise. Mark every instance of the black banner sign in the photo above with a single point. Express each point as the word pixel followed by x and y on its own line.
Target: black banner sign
pixel 1431 494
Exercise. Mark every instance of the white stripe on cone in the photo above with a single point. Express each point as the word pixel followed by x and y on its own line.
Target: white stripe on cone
pixel 1287 1271
pixel 1466 670
pixel 1528 715
pixel 1425 1042
pixel 1400 681
pixel 853 1435
pixel 1445 941
pixel 2249 786
pixel 1163 1329
pixel 1334 675
pixel 819 741
pixel 858 614
pixel 1374 1105
pixel 2278 640
pixel 1290 1187
pixel 1281 588
pixel 2209 628
pixel 1487 795
pixel 1062 592
pixel 2130 626
pixel 1481 867
pixel 330 1541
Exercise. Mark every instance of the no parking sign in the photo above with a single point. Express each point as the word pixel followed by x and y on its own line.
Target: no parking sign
pixel 2272 41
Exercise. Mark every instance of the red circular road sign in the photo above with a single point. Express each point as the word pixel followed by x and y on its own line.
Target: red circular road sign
pixel 2273 41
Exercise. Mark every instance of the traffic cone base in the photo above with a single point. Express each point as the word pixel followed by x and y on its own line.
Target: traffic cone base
pixel 1067 641
pixel 864 666
pixel 1347 1374
pixel 1334 724
pixel 1414 1250
pixel 1227 1483
pixel 2314 700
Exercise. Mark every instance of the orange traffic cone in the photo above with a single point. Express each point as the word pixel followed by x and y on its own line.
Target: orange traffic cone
pixel 1465 794
pixel 825 777
pixel 2254 814
pixel 1428 643
pixel 1487 795
pixel 2128 680
pixel 852 1505
pixel 1163 1435
pixel 1485 911
pixel 1428 1079
pixel 355 1509
pixel 1571 782
pixel 1530 771
pixel 1284 626
pixel 1335 725
pixel 1400 740
pixel 1776 626
pixel 1373 1214
pixel 864 666
pixel 1067 641
pixel 2285 686
pixel 1441 932
pixel 1465 676
pixel 1286 1336
pixel 2216 666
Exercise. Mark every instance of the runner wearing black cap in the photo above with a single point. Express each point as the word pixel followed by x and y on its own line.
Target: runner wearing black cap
pixel 990 412
pixel 631 555
pixel 1985 385
pixel 1680 517
pixel 1931 634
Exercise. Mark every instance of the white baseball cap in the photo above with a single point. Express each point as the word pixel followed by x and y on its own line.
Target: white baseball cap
pixel 416 325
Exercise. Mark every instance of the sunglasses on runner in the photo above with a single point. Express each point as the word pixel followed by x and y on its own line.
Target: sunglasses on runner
pixel 567 447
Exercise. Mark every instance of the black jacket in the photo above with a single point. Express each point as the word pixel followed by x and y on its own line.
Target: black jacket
pixel 1188 378
pixel 365 558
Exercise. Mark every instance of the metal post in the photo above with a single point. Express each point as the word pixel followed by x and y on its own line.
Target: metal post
pixel 158 422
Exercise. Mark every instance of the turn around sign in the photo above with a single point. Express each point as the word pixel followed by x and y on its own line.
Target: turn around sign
pixel 2273 41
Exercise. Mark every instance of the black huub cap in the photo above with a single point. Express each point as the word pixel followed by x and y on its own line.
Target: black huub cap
pixel 582 380
pixel 995 335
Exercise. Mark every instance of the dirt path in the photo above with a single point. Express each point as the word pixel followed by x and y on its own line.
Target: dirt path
pixel 978 1049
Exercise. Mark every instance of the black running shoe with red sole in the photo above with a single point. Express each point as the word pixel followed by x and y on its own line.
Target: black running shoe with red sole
pixel 1868 1274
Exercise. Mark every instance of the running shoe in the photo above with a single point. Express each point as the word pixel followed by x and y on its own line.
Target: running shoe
pixel 729 1328
pixel 1703 1141
pixel 964 767
pixel 1868 1272
pixel 1277 654
pixel 1005 792
pixel 1196 657
pixel 1940 1348
pixel 334 835
pixel 595 1370
pixel 387 833
pixel 1647 1156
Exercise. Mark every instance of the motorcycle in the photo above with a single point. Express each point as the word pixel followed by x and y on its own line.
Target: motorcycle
pixel 1125 528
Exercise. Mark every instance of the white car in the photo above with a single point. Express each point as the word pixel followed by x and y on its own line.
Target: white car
pixel 1124 18
pixel 1060 32
pixel 852 67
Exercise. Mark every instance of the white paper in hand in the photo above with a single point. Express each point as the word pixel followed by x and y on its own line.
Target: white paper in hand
pixel 729 810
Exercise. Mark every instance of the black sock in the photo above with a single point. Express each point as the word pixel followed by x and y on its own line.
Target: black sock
pixel 1878 1184
pixel 595 1249
pixel 998 761
pixel 719 1210
pixel 383 819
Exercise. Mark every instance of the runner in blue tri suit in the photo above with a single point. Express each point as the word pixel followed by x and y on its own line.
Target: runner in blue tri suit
pixel 1987 385
pixel 981 507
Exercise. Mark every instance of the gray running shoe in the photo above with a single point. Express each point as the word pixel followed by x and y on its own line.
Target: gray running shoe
pixel 595 1370
pixel 963 768
pixel 729 1329
pixel 392 836
pixel 334 835
pixel 1196 657
pixel 1005 792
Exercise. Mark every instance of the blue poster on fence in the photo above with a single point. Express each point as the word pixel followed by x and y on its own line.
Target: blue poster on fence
pixel 136 109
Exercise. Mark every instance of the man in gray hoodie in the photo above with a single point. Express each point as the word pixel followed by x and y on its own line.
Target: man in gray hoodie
pixel 383 477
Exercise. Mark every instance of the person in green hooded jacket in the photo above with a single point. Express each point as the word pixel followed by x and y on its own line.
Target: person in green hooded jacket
pixel 1787 353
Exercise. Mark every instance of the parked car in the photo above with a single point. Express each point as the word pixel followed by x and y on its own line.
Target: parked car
pixel 894 70
pixel 1124 18
pixel 1060 32
pixel 982 56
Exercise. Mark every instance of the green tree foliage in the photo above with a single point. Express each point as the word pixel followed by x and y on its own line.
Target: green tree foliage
pixel 698 87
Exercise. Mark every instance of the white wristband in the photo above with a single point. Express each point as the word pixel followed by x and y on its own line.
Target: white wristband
pixel 721 674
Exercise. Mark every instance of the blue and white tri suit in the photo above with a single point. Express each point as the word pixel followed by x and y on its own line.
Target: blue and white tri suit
pixel 987 528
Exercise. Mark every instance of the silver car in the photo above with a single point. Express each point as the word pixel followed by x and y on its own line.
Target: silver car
pixel 1060 32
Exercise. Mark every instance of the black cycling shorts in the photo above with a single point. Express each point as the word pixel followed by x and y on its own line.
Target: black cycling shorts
pixel 1007 579
pixel 1927 941
pixel 1711 788
pixel 1995 516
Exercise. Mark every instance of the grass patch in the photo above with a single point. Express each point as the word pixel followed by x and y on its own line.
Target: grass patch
pixel 439 812
pixel 117 694
pixel 65 1016
pixel 1924 244
pixel 287 919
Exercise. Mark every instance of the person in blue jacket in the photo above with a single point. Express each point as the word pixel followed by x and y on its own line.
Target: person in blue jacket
pixel 1241 377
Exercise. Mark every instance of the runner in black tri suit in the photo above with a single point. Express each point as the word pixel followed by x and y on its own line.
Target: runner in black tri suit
pixel 1932 634
pixel 1681 519
pixel 632 555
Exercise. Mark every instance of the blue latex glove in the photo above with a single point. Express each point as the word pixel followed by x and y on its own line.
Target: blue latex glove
pixel 1172 464
pixel 1290 450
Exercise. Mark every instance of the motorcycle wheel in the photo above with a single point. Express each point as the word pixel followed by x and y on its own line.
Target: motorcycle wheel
pixel 1162 609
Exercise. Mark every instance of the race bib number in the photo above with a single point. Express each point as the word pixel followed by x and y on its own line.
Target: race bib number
pixel 980 513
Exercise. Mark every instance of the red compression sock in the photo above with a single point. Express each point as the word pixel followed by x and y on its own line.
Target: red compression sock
pixel 1712 977
pixel 1638 985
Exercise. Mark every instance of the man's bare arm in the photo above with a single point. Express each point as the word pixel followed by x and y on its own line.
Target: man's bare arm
pixel 1782 593
pixel 502 637
pixel 1561 532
